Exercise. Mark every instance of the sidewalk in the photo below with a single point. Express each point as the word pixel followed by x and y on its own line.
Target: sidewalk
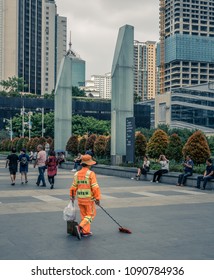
pixel 167 222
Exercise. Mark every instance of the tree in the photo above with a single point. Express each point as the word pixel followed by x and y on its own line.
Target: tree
pixel 22 143
pixel 197 148
pixel 13 84
pixel 100 146
pixel 174 149
pixel 157 144
pixel 72 145
pixel 108 146
pixel 140 145
pixel 82 125
pixel 78 92
pixel 42 141
pixel 90 142
pixel 82 143
pixel 211 144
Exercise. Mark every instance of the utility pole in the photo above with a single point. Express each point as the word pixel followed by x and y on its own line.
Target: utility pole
pixel 42 122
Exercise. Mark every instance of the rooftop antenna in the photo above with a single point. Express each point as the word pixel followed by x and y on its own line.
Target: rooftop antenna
pixel 70 52
pixel 70 44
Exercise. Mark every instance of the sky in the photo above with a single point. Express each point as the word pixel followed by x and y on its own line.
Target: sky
pixel 94 26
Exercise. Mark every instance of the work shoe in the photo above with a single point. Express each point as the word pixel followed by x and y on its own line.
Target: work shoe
pixel 78 232
pixel 87 234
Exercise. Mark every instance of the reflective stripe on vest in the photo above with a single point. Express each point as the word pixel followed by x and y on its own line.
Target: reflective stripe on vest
pixel 84 193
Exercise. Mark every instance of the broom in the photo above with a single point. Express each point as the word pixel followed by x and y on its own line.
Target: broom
pixel 121 229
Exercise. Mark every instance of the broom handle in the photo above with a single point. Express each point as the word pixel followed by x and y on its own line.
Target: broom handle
pixel 109 215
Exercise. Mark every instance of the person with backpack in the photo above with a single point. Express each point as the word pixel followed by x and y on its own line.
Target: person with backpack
pixel 23 165
pixel 12 162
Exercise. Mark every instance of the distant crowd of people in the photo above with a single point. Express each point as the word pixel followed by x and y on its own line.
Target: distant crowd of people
pixel 43 158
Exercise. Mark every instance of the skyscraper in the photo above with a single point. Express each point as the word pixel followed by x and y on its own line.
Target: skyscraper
pixel 145 74
pixel 186 50
pixel 61 42
pixel 28 43
pixel 78 68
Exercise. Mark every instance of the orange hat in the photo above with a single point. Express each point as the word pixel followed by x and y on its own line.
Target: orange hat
pixel 87 159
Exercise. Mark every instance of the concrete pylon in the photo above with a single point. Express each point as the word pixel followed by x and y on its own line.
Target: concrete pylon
pixel 122 103
pixel 63 105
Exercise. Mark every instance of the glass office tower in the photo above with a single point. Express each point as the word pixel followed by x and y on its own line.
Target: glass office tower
pixel 30 44
pixel 188 42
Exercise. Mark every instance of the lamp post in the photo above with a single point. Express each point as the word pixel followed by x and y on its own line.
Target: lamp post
pixel 29 123
pixel 11 127
pixel 42 110
pixel 23 120
pixel 29 114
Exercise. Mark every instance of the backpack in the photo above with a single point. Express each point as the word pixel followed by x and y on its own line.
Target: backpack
pixel 23 161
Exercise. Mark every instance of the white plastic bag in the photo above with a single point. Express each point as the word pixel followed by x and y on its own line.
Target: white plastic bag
pixel 69 213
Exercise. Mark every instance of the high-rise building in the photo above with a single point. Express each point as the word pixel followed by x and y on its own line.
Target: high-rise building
pixel 78 68
pixel 99 86
pixel 48 46
pixel 29 43
pixel 186 50
pixel 61 42
pixel 21 41
pixel 145 73
pixel 54 44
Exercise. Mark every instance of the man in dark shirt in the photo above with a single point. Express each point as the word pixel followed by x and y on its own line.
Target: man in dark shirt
pixel 188 170
pixel 12 162
pixel 208 174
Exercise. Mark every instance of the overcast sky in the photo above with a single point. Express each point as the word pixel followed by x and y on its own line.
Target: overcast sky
pixel 94 27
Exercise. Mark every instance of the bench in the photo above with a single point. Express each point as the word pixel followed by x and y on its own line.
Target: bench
pixel 130 172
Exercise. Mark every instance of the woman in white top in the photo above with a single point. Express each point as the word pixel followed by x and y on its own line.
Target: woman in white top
pixel 144 168
pixel 164 162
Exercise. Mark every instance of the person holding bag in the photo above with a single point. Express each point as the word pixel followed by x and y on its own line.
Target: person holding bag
pixel 87 190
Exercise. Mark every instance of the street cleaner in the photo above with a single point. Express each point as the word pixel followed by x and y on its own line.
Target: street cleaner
pixel 87 190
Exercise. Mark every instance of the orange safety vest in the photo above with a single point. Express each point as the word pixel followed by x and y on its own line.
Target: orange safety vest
pixel 85 186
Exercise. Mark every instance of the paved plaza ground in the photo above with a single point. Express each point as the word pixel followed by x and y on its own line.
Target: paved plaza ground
pixel 167 222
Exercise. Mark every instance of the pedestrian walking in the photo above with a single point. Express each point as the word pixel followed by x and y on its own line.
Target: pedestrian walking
pixel 12 162
pixel 164 162
pixel 188 170
pixel 51 164
pixel 40 162
pixel 87 190
pixel 23 166
pixel 208 174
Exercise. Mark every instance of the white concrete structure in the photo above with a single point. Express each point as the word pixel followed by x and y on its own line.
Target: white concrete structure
pixel 122 104
pixel 63 105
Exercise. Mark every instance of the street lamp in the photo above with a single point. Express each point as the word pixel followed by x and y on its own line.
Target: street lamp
pixel 42 110
pixel 29 114
pixel 11 127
